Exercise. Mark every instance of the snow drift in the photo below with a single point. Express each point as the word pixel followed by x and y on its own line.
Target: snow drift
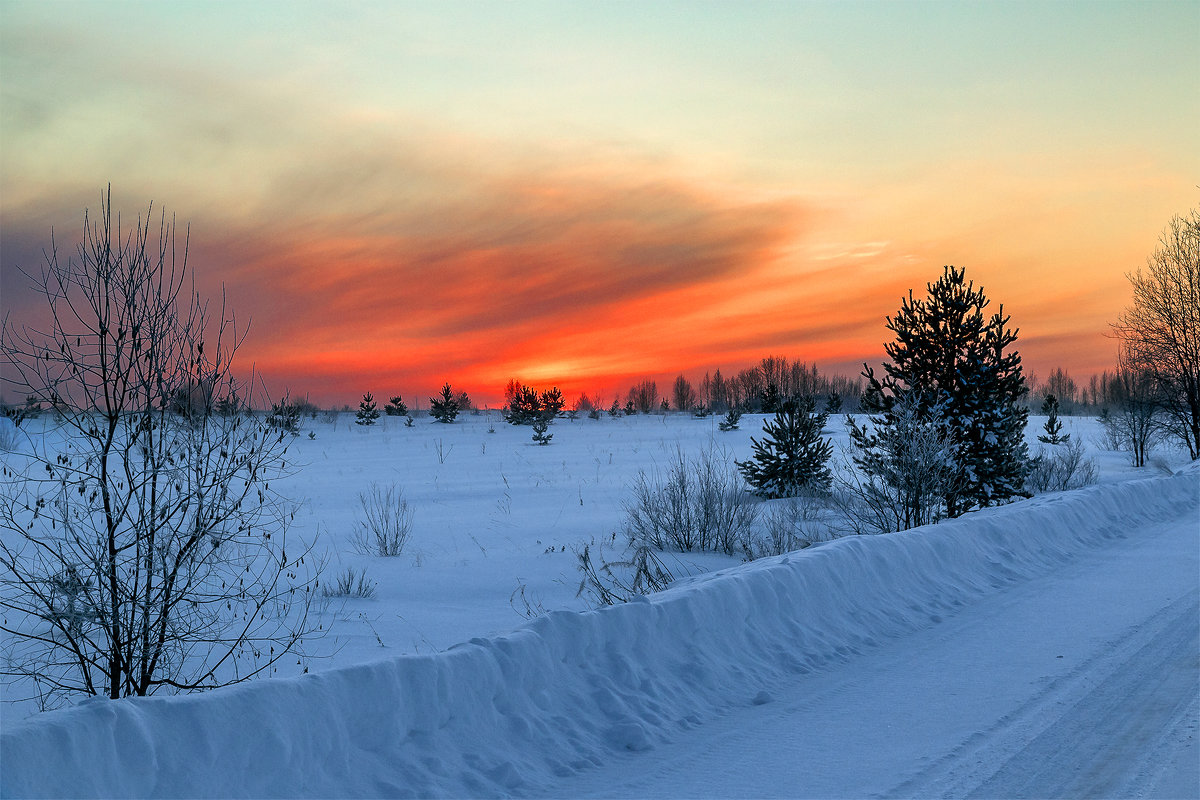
pixel 511 714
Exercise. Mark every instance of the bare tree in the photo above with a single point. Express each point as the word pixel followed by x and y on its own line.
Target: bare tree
pixel 1161 329
pixel 643 396
pixel 1063 387
pixel 141 545
pixel 1132 421
pixel 683 395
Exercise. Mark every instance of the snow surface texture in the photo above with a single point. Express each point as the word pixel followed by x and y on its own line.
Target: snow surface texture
pixel 570 694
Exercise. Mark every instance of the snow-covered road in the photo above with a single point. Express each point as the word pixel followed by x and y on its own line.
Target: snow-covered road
pixel 1081 683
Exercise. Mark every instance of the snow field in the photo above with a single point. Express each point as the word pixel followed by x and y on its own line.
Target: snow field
pixel 521 712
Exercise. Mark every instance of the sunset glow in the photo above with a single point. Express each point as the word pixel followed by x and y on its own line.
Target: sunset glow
pixel 587 194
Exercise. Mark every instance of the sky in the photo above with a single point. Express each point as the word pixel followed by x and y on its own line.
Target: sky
pixel 588 194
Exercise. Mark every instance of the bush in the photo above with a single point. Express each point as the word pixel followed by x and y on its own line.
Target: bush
pixel 350 583
pixel 18 414
pixel 387 524
pixel 285 416
pixel 697 505
pixel 1060 469
pixel 8 434
pixel 903 468
pixel 790 524
pixel 615 582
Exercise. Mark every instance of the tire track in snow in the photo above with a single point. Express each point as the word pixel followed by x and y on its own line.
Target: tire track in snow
pixel 1100 741
pixel 1090 730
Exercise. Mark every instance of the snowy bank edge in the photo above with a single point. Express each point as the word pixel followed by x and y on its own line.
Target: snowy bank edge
pixel 512 713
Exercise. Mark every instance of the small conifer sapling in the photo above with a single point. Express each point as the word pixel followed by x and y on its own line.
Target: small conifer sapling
pixel 396 407
pixel 367 411
pixel 445 408
pixel 791 457
pixel 1053 426
pixel 539 432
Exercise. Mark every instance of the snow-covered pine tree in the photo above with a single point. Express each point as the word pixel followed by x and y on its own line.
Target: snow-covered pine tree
pixel 732 417
pixel 1053 426
pixel 792 456
pixel 445 408
pixel 907 459
pixel 396 408
pixel 367 411
pixel 946 351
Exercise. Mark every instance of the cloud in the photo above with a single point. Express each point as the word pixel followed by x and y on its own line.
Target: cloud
pixel 401 252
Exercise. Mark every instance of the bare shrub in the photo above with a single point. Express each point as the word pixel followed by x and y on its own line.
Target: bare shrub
pixel 1061 468
pixel 615 582
pixel 698 504
pixel 525 604
pixel 789 524
pixel 285 415
pixel 8 435
pixel 1133 421
pixel 387 522
pixel 350 583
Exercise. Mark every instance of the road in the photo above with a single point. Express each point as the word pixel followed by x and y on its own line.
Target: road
pixel 1081 683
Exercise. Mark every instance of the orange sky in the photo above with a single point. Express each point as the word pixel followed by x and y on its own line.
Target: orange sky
pixel 406 194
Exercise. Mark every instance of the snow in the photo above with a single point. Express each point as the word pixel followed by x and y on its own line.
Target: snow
pixel 924 663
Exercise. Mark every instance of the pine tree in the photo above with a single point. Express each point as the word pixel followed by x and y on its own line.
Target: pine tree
pixel 367 412
pixel 463 401
pixel 792 456
pixel 1053 426
pixel 526 406
pixel 947 354
pixel 732 417
pixel 539 432
pixel 285 416
pixel 445 408
pixel 770 399
pixel 552 402
pixel 396 408
pixel 908 461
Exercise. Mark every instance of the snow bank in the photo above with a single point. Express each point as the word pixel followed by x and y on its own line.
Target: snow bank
pixel 510 714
